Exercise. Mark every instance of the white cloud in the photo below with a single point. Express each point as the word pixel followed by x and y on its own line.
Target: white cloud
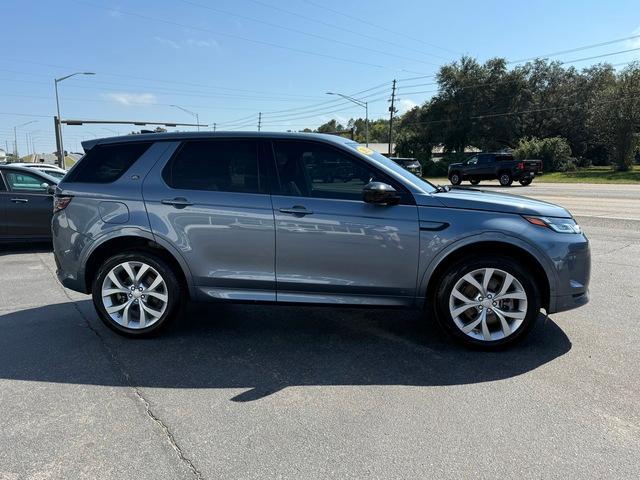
pixel 132 99
pixel 166 41
pixel 405 105
pixel 196 42
pixel 115 12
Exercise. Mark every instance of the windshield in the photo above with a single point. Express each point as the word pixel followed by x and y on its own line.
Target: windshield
pixel 391 165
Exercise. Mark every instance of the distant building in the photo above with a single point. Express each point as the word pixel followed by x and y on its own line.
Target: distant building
pixel 383 148
pixel 3 156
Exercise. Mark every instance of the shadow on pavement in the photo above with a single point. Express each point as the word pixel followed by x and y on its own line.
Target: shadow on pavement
pixel 25 247
pixel 261 348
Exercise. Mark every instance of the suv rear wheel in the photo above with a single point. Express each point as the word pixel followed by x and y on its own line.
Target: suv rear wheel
pixel 487 302
pixel 526 181
pixel 475 181
pixel 136 293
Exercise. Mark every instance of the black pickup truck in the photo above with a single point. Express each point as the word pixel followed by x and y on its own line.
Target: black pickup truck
pixel 489 166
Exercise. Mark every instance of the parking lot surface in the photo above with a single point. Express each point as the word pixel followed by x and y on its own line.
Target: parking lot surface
pixel 240 392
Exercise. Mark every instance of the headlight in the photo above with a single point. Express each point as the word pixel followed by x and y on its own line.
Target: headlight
pixel 560 225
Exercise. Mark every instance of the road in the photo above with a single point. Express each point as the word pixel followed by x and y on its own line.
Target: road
pixel 255 392
pixel 620 201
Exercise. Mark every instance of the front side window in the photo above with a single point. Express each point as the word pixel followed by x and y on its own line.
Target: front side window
pixel 25 182
pixel 309 169
pixel 472 161
pixel 106 163
pixel 215 165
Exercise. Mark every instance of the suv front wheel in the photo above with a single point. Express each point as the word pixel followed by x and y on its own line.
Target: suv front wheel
pixel 136 293
pixel 487 302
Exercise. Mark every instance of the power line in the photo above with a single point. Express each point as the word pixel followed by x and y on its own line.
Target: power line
pixel 577 49
pixel 337 27
pixel 302 32
pixel 238 37
pixel 380 27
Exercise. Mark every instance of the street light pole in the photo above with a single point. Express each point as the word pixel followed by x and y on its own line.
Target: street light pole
pixel 59 123
pixel 190 113
pixel 360 103
pixel 15 136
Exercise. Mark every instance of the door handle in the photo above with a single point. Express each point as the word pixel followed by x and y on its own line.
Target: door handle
pixel 296 210
pixel 20 200
pixel 177 202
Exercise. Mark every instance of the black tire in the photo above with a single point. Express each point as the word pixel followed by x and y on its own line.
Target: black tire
pixel 475 181
pixel 172 286
pixel 505 179
pixel 466 265
pixel 455 178
pixel 525 181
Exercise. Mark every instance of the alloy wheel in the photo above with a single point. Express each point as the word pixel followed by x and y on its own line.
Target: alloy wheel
pixel 488 304
pixel 134 295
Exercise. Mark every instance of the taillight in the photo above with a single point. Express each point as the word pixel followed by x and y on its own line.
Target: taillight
pixel 520 166
pixel 60 203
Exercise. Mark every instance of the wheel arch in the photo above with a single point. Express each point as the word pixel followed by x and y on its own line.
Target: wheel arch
pixel 138 240
pixel 505 245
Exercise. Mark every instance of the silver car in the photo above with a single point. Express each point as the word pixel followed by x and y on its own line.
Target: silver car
pixel 146 222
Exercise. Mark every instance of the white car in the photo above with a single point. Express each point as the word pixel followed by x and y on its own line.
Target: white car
pixel 49 169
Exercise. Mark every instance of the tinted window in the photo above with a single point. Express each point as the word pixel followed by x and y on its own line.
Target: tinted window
pixel 25 182
pixel 504 158
pixel 106 163
pixel 309 169
pixel 215 165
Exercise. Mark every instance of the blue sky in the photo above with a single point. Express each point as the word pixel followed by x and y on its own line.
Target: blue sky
pixel 227 60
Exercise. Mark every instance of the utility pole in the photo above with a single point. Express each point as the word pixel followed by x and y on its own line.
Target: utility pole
pixel 392 111
pixel 259 121
pixel 214 126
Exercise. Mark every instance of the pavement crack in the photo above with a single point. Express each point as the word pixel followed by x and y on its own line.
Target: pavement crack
pixel 168 435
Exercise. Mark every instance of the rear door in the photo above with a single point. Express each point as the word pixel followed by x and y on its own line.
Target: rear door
pixel 211 201
pixel 27 204
pixel 486 166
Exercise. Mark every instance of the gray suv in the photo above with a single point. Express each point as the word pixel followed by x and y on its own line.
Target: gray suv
pixel 145 222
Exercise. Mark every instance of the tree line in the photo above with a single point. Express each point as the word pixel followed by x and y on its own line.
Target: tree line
pixel 578 117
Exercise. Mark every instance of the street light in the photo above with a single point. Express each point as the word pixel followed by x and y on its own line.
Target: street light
pixel 190 113
pixel 59 132
pixel 360 103
pixel 15 136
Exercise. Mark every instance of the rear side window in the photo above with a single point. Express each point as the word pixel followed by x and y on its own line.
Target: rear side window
pixel 106 163
pixel 215 165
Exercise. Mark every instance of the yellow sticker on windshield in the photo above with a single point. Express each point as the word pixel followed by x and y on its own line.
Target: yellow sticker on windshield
pixel 365 150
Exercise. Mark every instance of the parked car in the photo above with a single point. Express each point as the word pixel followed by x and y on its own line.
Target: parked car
pixel 144 222
pixel 26 204
pixel 52 170
pixel 410 164
pixel 489 166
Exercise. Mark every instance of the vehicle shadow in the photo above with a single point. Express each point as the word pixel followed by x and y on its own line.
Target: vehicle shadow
pixel 25 247
pixel 259 348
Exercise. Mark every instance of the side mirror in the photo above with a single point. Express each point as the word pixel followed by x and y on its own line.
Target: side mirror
pixel 50 189
pixel 380 193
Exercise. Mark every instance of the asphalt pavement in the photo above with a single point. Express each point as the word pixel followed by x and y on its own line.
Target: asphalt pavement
pixel 261 392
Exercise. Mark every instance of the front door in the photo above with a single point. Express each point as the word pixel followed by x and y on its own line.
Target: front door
pixel 27 205
pixel 331 247
pixel 211 202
